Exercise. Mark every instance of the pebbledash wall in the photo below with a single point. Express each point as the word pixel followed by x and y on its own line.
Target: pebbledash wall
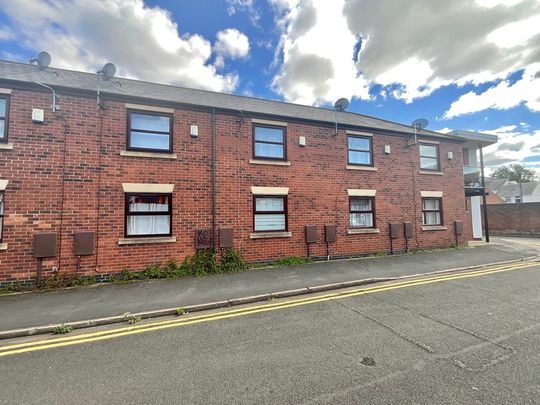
pixel 68 174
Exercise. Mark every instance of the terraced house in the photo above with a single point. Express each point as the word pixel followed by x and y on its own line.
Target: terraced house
pixel 97 175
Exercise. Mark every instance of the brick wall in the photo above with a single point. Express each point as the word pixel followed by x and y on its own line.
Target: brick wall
pixel 60 182
pixel 514 219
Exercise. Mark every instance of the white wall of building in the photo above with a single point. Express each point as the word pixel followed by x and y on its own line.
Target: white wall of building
pixel 476 214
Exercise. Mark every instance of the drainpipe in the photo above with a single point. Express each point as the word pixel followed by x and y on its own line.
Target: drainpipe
pixel 213 180
pixel 486 226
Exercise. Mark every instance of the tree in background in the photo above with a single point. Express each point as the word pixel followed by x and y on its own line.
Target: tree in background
pixel 517 173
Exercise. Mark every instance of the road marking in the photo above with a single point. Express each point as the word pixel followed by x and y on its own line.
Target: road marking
pixel 110 334
pixel 212 315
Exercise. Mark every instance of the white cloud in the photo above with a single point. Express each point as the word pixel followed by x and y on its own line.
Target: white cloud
pixel 413 49
pixel 235 6
pixel 144 42
pixel 495 3
pixel 516 33
pixel 514 145
pixel 502 96
pixel 316 50
pixel 6 34
pixel 232 43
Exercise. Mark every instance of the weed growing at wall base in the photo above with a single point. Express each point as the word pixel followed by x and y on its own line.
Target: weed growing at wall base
pixel 291 261
pixel 62 329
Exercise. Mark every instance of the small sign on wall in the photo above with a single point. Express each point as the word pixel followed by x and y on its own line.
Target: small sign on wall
pixel 203 239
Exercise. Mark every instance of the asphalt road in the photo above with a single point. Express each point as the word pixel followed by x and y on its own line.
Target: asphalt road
pixel 463 339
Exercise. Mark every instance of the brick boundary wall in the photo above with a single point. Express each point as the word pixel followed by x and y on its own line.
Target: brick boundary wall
pixel 514 219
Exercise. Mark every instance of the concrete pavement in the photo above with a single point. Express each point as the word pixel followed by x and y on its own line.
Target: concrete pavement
pixel 459 341
pixel 28 310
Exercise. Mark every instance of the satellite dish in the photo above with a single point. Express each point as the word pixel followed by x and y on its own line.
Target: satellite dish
pixel 341 104
pixel 43 60
pixel 108 71
pixel 419 124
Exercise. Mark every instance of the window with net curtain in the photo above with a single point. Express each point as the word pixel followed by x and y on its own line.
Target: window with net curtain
pixel 361 213
pixel 432 211
pixel 148 214
pixel 270 214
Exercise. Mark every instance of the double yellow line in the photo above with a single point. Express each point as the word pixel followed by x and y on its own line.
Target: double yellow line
pixel 131 330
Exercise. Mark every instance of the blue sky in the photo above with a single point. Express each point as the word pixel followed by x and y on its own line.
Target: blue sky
pixel 463 64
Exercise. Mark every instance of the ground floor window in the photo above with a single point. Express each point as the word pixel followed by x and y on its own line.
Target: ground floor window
pixel 361 212
pixel 269 213
pixel 148 214
pixel 432 211
pixel 1 215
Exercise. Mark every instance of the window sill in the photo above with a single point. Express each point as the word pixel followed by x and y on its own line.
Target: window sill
pixel 269 162
pixel 146 240
pixel 357 231
pixel 156 155
pixel 6 146
pixel 366 168
pixel 434 228
pixel 434 173
pixel 3 246
pixel 268 235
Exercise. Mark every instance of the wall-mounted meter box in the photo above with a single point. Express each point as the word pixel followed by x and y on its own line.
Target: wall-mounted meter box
pixel 38 116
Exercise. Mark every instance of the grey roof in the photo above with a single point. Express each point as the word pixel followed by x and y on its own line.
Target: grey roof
pixel 476 137
pixel 512 189
pixel 19 72
pixel 495 184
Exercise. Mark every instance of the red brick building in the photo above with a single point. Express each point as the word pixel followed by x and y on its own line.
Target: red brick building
pixel 144 166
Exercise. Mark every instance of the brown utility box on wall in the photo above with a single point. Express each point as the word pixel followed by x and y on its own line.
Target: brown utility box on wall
pixel 225 237
pixel 84 243
pixel 458 226
pixel 408 229
pixel 394 231
pixel 330 233
pixel 45 245
pixel 311 233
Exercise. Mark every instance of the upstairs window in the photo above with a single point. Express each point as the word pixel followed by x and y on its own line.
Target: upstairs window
pixel 4 108
pixel 1 215
pixel 361 212
pixel 270 213
pixel 149 131
pixel 148 215
pixel 269 142
pixel 432 211
pixel 360 150
pixel 429 157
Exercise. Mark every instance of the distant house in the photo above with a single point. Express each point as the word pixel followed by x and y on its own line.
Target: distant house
pixel 511 192
pixel 492 198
